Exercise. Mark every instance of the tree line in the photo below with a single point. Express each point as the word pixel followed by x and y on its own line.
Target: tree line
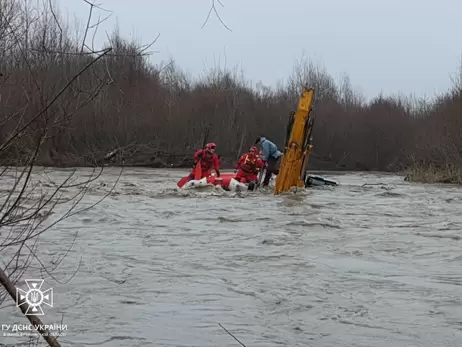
pixel 156 116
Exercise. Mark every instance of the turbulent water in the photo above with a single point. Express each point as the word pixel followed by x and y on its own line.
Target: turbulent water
pixel 373 262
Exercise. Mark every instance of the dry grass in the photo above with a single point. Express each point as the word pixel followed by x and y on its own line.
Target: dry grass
pixel 433 174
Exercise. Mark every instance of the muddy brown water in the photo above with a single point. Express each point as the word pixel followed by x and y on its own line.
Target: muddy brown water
pixel 373 262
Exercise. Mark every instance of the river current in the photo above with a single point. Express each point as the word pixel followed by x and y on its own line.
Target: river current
pixel 373 262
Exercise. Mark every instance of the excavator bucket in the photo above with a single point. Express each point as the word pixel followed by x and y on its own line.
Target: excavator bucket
pixel 298 145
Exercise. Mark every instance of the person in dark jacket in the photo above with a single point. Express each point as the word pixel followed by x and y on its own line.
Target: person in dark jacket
pixel 271 156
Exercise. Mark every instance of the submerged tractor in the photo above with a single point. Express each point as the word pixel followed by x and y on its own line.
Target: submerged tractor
pixel 298 147
pixel 292 171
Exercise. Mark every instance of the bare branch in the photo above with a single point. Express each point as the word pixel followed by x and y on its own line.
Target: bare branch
pixel 214 9
pixel 37 115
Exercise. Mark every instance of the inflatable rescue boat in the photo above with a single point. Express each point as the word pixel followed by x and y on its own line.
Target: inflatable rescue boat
pixel 226 180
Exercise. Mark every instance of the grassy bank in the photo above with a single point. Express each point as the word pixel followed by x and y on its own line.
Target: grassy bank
pixel 434 174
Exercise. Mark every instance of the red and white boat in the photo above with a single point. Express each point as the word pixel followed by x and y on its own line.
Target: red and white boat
pixel 226 180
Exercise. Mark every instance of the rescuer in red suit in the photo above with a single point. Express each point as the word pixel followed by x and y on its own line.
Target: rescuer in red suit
pixel 209 160
pixel 248 166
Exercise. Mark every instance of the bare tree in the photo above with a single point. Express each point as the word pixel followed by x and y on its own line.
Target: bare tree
pixel 47 80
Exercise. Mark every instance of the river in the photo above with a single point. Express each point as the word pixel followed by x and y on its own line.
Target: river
pixel 373 262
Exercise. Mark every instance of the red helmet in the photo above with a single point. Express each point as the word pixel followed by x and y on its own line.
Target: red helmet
pixel 253 149
pixel 210 145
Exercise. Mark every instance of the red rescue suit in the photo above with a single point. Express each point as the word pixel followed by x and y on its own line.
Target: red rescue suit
pixel 208 160
pixel 248 166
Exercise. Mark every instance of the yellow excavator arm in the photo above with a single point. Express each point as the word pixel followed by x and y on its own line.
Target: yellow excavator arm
pixel 298 145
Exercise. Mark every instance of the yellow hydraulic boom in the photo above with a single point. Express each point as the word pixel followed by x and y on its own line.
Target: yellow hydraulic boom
pixel 298 145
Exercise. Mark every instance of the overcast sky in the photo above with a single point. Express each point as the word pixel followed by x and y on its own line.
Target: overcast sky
pixel 406 46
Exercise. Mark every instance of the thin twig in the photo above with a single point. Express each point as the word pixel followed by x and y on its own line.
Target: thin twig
pixel 234 337
pixel 214 9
